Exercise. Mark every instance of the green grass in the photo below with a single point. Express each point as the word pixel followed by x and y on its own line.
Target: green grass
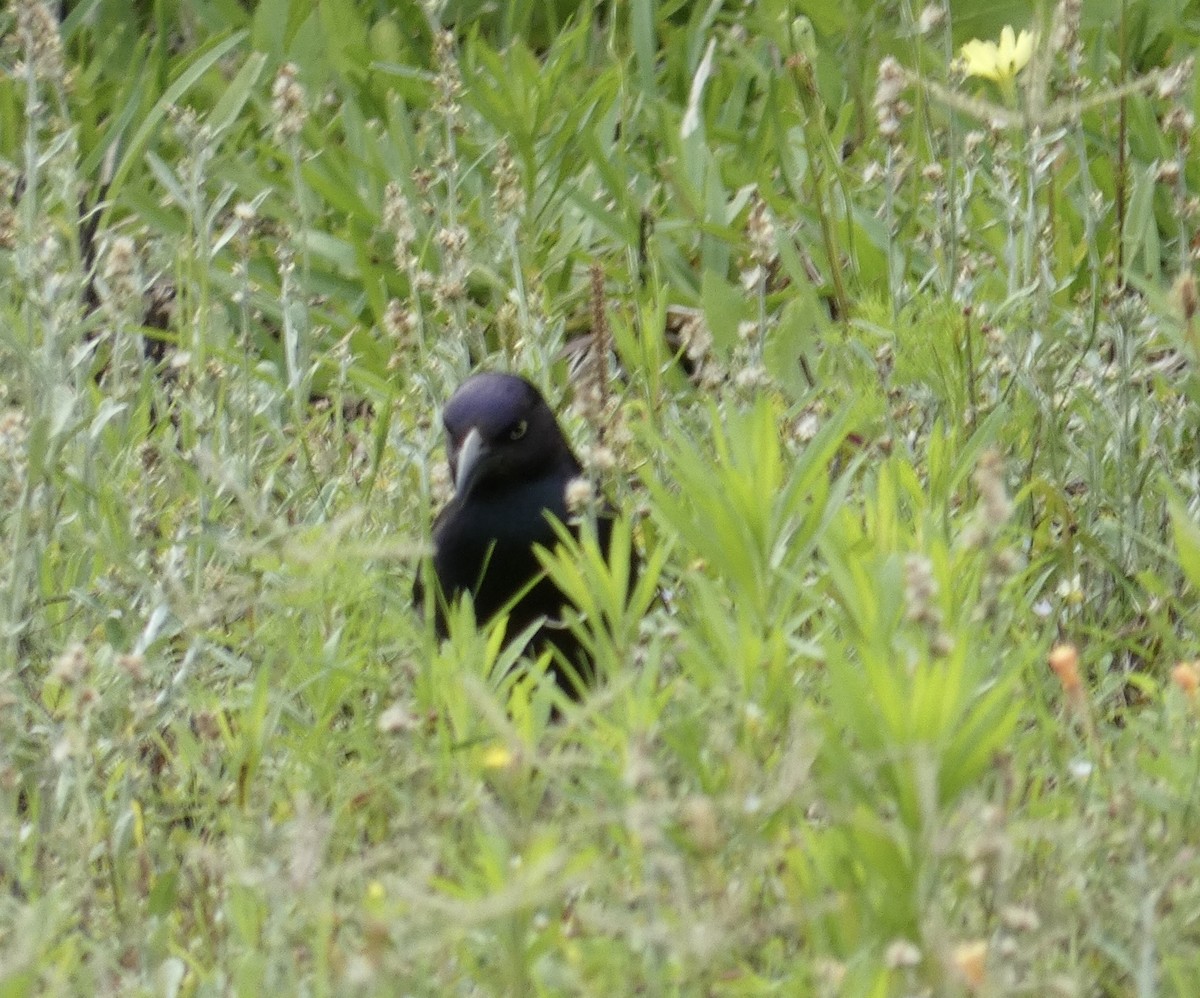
pixel 903 395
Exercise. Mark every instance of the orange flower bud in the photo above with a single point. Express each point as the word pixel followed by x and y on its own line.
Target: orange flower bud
pixel 970 960
pixel 1064 662
pixel 1186 676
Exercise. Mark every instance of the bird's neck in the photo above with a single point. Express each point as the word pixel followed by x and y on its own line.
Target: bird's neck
pixel 547 482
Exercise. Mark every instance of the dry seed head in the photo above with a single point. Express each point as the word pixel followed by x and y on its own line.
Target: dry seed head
pixel 9 227
pixel 1066 25
pixel 1167 173
pixel 71 666
pixel 423 179
pixel 448 81
pixel 41 45
pixel 973 140
pixel 10 179
pixel 711 376
pixel 397 213
pixel 1017 919
pixel 1184 292
pixel 403 256
pixel 889 84
pixel 288 101
pixel 617 431
pixel 760 231
pixel 443 47
pixel 696 338
pixel 185 123
pixel 805 427
pixel 445 161
pixel 134 665
pixel 1180 122
pixel 1174 81
pixel 449 290
pixel 600 459
pixel 920 591
pixel 592 391
pixel 206 725
pixel 397 218
pixel 396 720
pixel 14 429
pixel 891 119
pixel 935 173
pixel 510 193
pixel 399 322
pixel 579 495
pixel 941 645
pixel 889 108
pixel 122 284
pixel 989 479
pixel 452 239
pixel 451 285
pixel 285 257
pixel 752 377
pixel 931 18
pixel 901 954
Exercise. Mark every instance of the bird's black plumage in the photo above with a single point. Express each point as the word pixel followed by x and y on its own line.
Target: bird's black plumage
pixel 511 466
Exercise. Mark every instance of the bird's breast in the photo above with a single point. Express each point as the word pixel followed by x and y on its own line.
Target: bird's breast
pixel 487 540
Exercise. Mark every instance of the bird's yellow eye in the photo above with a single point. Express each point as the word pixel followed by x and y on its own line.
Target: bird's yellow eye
pixel 518 430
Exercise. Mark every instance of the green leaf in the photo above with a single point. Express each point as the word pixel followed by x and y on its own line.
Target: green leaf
pixel 237 94
pixel 645 44
pixel 345 34
pixel 725 307
pixel 269 29
pixel 1187 543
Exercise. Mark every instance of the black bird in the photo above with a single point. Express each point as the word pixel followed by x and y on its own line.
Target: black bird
pixel 511 466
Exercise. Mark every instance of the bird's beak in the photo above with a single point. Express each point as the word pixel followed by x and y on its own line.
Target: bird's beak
pixel 470 452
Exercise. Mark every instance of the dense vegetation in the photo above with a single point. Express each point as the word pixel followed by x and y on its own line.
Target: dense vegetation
pixel 887 348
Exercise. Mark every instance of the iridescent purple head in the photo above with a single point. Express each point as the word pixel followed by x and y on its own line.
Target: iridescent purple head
pixel 498 430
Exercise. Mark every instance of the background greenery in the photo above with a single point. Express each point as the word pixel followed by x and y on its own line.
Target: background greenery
pixel 901 395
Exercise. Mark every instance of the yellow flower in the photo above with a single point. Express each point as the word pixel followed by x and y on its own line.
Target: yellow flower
pixel 497 756
pixel 997 62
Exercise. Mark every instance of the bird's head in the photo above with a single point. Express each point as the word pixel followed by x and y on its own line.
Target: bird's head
pixel 500 430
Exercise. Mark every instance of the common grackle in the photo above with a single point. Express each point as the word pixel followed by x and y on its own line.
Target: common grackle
pixel 511 466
